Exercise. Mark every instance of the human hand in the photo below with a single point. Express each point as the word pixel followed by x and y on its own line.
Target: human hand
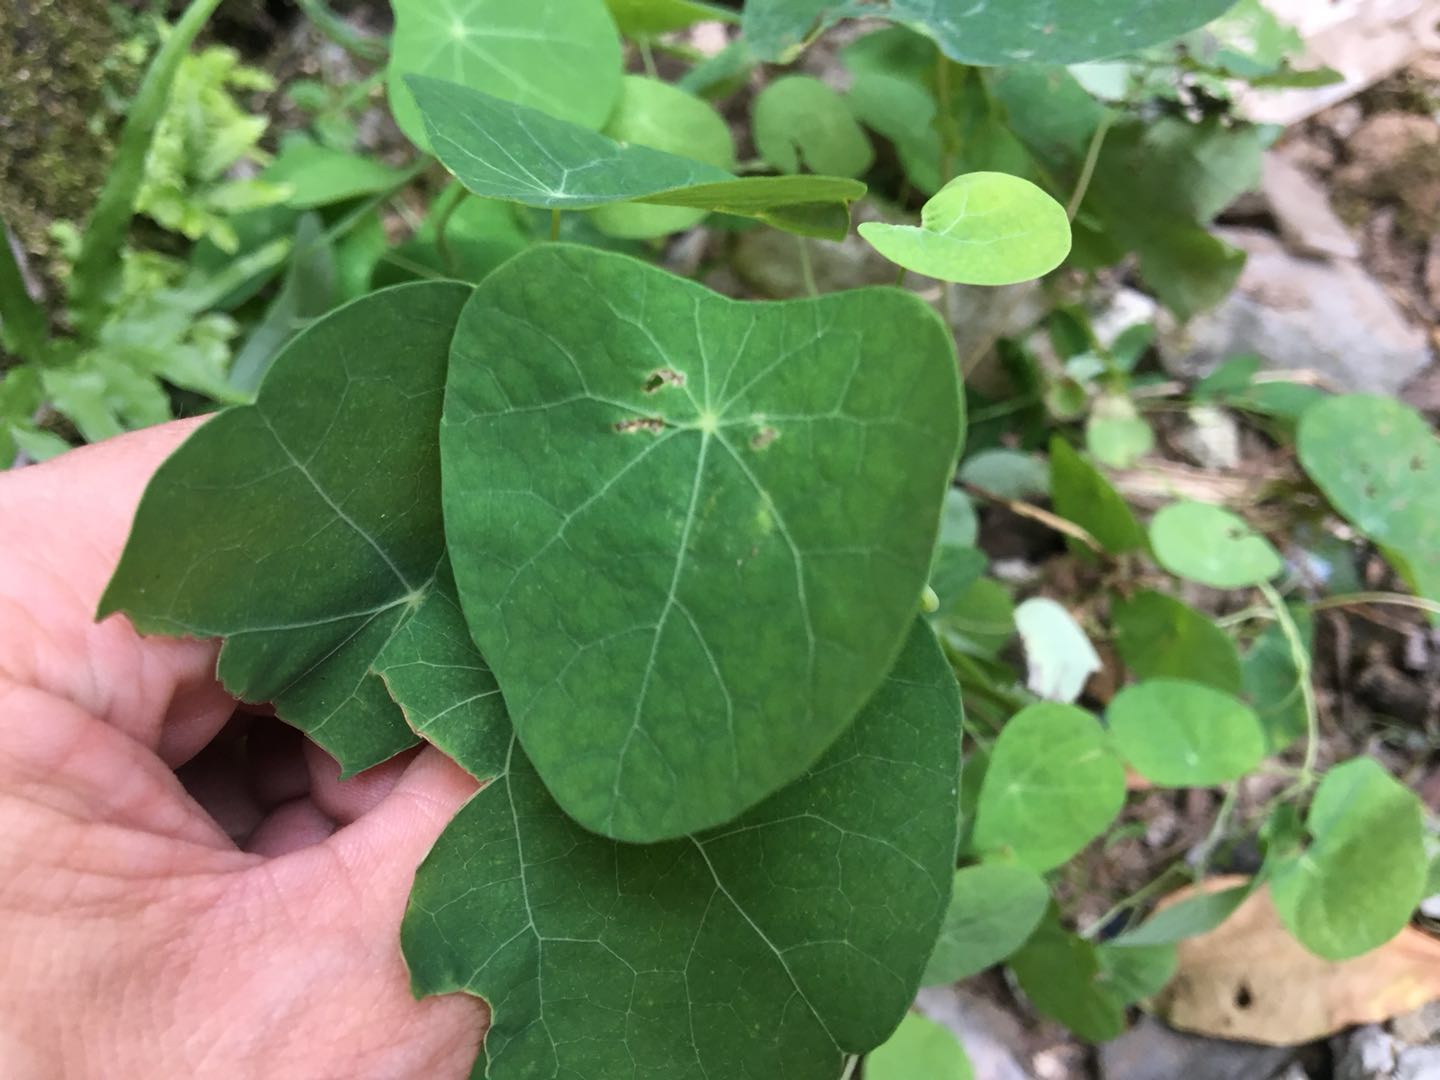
pixel 136 938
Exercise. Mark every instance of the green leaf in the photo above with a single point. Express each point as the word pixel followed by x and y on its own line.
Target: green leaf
pixel 919 1048
pixel 1191 917
pixel 677 574
pixel 1272 682
pixel 479 235
pixel 1011 474
pixel 1016 32
pixel 501 150
pixel 1116 435
pixel 993 909
pixel 1210 545
pixel 24 326
pixel 1135 972
pixel 561 57
pixel 1081 494
pixel 979 621
pixel 288 529
pixel 319 175
pixel 1052 786
pixel 958 563
pixel 1061 975
pixel 1159 637
pixel 1059 658
pixel 1357 884
pixel 1185 734
pixel 983 228
pixel 663 117
pixel 799 121
pixel 651 18
pixel 1378 462
pixel 769 947
pixel 97 269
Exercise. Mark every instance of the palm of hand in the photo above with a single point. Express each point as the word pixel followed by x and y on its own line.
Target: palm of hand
pixel 136 937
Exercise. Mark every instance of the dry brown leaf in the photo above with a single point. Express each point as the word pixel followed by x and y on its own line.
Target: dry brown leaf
pixel 1251 980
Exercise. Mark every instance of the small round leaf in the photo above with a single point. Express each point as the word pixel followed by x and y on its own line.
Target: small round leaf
pixel 1212 546
pixel 919 1048
pixel 799 120
pixel 993 911
pixel 1185 734
pixel 983 228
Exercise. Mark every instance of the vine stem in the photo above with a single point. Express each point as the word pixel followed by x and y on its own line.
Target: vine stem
pixel 647 57
pixel 850 1067
pixel 442 233
pixel 1300 657
pixel 1217 831
pixel 807 268
pixel 1087 171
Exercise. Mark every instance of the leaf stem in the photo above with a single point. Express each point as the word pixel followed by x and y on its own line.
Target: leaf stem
pixel 554 225
pixel 807 268
pixel 1212 839
pixel 1300 657
pixel 850 1067
pixel 1092 158
pixel 1135 899
pixel 442 234
pixel 647 57
pixel 341 32
pixel 947 151
pixel 1044 517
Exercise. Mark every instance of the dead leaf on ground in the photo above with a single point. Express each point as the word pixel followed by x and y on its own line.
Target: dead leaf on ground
pixel 1251 980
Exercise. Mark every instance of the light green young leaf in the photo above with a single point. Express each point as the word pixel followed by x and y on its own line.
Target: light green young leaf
pixel 501 150
pixel 721 624
pixel 1116 435
pixel 308 565
pixel 798 122
pixel 1357 884
pixel 1378 462
pixel 990 33
pixel 919 1048
pixel 320 175
pixel 1210 545
pixel 663 117
pixel 1082 494
pixel 1052 786
pixel 768 947
pixel 1059 658
pixel 561 57
pixel 1159 637
pixel 1061 974
pixel 994 908
pixel 983 228
pixel 1185 734
pixel 1191 917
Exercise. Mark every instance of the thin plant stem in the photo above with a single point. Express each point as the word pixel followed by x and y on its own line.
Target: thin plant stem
pixel 1087 171
pixel 900 278
pixel 341 32
pixel 947 158
pixel 442 231
pixel 807 268
pixel 1217 831
pixel 1135 899
pixel 1419 603
pixel 647 57
pixel 1300 657
pixel 1044 517
pixel 850 1067
pixel 554 225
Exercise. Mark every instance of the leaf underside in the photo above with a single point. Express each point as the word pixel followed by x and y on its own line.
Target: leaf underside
pixel 768 947
pixel 689 533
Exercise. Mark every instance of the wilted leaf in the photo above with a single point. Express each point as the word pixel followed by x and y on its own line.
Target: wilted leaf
pixel 1059 658
pixel 1363 875
pixel 1184 734
pixel 919 1048
pixel 501 150
pixel 994 908
pixel 1052 786
pixel 768 947
pixel 561 57
pixel 306 564
pixel 798 120
pixel 1251 980
pixel 1160 637
pixel 1212 546
pixel 983 228
pixel 630 469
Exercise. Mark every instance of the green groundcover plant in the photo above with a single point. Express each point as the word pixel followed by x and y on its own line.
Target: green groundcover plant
pixel 687 582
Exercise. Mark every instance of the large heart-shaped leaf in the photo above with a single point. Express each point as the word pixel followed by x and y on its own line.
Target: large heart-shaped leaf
pixel 506 151
pixel 991 32
pixel 767 948
pixel 689 533
pixel 559 56
pixel 312 546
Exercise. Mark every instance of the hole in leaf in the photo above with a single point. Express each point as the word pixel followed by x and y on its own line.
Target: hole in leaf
pixel 664 377
pixel 1243 997
pixel 640 423
pixel 763 438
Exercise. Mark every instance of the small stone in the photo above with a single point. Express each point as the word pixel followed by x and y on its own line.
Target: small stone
pixel 993 1039
pixel 1367 1053
pixel 1418 1063
pixel 1420 1026
pixel 1308 224
pixel 1152 1051
pixel 1296 313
